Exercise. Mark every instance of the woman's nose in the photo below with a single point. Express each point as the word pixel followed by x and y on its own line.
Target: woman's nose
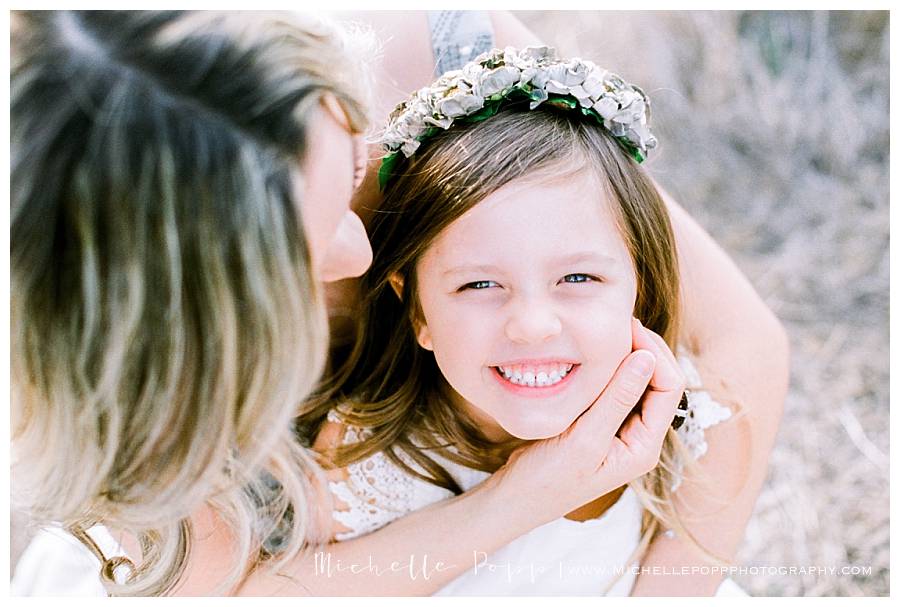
pixel 533 321
pixel 349 254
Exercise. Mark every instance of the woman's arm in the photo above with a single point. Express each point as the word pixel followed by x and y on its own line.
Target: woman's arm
pixel 741 344
pixel 423 551
pixel 413 556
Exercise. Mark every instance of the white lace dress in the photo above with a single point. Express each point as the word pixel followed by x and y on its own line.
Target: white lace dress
pixel 563 557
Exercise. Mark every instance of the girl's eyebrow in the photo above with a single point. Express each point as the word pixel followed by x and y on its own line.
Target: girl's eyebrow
pixel 571 258
pixel 471 268
pixel 586 256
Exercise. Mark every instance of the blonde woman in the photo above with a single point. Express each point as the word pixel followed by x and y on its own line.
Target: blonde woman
pixel 178 181
pixel 180 185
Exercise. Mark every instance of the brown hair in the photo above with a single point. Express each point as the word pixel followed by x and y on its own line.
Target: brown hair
pixel 392 386
pixel 166 325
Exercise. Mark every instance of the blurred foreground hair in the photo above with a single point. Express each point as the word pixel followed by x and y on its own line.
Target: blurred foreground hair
pixel 165 322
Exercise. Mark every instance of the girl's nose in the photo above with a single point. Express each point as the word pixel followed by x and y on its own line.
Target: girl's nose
pixel 349 254
pixel 533 321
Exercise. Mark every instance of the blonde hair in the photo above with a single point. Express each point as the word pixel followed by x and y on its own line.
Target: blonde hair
pixel 166 326
pixel 392 386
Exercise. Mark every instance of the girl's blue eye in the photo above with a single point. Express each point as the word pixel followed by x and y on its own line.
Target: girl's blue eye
pixel 578 278
pixel 478 285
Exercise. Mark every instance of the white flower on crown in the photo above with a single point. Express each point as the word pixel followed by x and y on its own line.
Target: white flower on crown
pixel 623 108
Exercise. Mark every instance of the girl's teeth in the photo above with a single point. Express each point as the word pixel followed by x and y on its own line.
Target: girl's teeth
pixel 534 378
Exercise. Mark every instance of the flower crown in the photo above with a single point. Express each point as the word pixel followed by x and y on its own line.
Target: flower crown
pixel 492 80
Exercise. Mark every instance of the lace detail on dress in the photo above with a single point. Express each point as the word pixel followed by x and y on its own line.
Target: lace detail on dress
pixel 377 491
pixel 703 412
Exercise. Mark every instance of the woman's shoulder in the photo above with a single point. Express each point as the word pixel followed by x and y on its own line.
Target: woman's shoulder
pixel 369 493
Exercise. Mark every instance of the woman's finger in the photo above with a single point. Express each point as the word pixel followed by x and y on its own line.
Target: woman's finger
pixel 667 375
pixel 658 410
pixel 666 386
pixel 665 352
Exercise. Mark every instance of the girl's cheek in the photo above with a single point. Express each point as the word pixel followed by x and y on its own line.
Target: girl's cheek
pixel 473 326
pixel 463 324
pixel 607 339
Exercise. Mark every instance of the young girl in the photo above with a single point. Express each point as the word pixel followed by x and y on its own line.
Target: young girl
pixel 520 254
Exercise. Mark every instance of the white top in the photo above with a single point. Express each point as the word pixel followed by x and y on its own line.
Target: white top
pixel 57 564
pixel 563 557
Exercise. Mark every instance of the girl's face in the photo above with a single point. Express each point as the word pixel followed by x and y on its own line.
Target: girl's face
pixel 527 302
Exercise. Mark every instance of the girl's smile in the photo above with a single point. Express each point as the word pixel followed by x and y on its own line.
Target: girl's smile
pixel 538 380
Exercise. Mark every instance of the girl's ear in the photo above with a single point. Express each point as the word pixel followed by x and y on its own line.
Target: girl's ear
pixel 396 284
pixel 423 335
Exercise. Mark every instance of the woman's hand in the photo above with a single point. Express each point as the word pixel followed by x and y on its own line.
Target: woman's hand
pixel 612 443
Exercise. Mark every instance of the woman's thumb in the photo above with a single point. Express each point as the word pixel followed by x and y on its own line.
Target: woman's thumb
pixel 620 396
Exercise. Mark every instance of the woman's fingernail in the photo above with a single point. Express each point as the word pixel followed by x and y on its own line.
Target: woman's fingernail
pixel 643 362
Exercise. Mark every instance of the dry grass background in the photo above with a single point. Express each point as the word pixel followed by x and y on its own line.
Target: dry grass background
pixel 774 135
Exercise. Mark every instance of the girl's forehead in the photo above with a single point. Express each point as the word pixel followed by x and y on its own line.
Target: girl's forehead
pixel 527 217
